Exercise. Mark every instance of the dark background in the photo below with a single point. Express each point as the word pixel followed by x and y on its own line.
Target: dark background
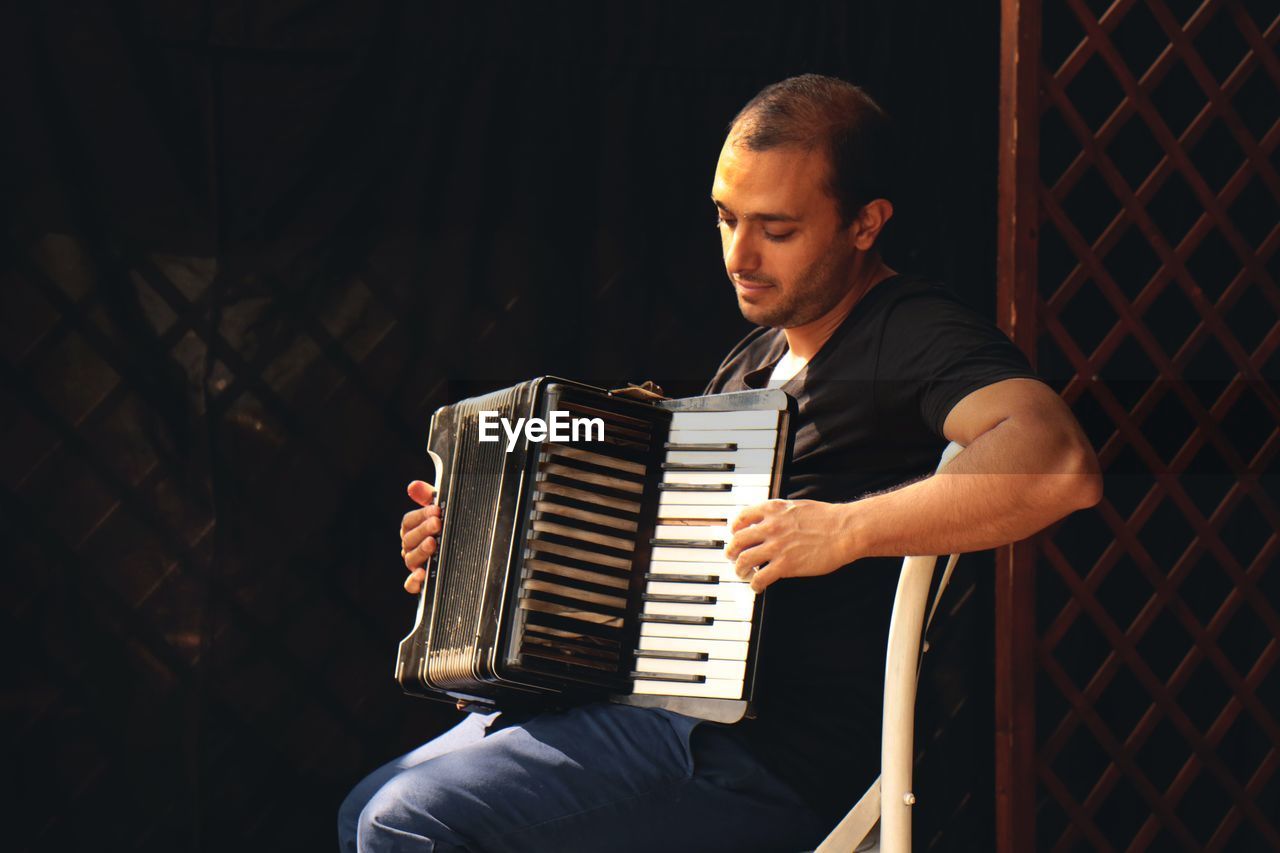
pixel 249 248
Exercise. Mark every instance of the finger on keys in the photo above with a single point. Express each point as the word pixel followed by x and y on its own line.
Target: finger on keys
pixel 413 583
pixel 743 540
pixel 748 517
pixel 764 576
pixel 749 560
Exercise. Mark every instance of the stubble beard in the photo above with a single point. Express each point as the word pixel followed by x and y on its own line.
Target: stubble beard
pixel 815 292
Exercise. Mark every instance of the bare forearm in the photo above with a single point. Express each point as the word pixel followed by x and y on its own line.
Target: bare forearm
pixel 999 490
pixel 1026 464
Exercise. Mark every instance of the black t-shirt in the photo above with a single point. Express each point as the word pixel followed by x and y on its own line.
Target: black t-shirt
pixel 872 403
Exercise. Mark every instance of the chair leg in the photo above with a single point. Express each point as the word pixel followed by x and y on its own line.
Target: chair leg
pixel 857 826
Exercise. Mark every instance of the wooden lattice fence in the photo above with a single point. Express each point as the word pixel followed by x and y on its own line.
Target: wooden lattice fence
pixel 1140 225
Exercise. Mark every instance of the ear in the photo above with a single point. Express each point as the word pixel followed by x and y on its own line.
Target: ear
pixel 866 226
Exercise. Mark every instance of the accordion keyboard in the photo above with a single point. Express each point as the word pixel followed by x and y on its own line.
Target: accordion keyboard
pixel 696 616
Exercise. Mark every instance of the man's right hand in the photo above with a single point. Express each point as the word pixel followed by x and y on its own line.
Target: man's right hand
pixel 419 534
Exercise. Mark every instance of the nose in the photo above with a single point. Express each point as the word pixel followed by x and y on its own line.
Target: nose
pixel 741 256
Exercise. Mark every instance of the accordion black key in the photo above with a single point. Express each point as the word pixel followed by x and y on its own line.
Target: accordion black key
pixel 582 550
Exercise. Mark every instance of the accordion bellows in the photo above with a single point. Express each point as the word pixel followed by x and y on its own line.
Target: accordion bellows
pixel 582 555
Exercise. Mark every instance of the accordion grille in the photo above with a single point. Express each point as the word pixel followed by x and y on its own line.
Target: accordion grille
pixel 586 550
pixel 464 558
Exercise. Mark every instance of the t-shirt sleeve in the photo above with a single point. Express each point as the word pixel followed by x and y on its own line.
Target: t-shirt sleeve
pixel 934 351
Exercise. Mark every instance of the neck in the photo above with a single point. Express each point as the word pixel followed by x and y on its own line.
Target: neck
pixel 805 341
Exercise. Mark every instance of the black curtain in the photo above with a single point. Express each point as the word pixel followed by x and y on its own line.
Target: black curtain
pixel 250 247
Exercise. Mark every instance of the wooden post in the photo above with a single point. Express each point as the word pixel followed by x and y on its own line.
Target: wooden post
pixel 1018 221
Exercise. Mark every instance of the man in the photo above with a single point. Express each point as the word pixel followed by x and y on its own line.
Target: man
pixel 885 369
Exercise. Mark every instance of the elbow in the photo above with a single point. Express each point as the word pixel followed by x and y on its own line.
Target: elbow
pixel 1088 491
pixel 1082 485
pixel 1074 478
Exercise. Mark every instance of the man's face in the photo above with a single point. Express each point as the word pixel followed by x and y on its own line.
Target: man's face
pixel 785 251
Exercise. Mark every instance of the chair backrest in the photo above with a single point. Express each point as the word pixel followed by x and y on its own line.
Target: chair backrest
pixel 889 799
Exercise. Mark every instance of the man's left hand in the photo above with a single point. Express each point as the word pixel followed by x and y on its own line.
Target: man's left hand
pixel 795 539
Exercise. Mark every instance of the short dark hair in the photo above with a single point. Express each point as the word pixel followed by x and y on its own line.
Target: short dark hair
pixel 813 111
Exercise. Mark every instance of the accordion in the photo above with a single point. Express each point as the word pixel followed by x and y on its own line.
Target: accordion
pixel 582 551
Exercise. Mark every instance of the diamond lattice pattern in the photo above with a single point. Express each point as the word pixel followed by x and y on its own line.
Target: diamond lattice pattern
pixel 1157 306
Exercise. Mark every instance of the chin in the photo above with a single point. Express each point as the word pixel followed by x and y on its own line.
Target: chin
pixel 751 311
pixel 761 316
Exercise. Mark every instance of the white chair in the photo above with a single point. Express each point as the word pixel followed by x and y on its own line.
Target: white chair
pixel 881 820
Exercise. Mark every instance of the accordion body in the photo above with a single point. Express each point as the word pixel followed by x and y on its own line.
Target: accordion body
pixel 583 559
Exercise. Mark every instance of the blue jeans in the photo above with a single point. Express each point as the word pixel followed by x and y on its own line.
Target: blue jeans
pixel 602 777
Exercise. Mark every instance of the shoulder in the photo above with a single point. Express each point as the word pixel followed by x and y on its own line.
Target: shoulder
pixel 922 299
pixel 935 350
pixel 924 318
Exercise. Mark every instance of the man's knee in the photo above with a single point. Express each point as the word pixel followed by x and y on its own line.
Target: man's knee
pixel 407 814
pixel 349 818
